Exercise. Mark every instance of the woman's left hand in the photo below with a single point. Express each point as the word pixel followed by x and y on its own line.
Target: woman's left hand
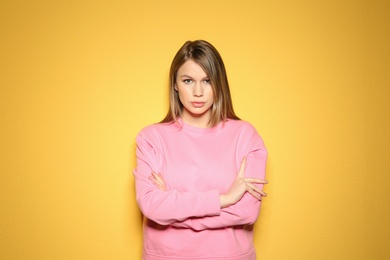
pixel 158 180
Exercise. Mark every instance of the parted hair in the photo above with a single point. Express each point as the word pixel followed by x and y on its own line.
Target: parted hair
pixel 209 59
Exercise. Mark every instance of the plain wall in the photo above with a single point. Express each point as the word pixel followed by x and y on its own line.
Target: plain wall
pixel 79 79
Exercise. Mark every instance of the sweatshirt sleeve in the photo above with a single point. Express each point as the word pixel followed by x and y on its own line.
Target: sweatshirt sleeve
pixel 166 207
pixel 245 211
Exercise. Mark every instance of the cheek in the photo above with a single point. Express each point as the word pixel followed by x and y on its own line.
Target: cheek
pixel 183 95
pixel 210 94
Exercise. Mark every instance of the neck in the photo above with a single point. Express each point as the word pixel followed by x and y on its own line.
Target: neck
pixel 201 121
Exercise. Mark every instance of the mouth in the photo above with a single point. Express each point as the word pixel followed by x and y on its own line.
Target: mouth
pixel 198 104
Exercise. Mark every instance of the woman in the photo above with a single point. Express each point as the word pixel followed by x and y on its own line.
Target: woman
pixel 200 171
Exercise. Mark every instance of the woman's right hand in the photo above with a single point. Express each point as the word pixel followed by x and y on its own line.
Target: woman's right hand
pixel 158 181
pixel 240 186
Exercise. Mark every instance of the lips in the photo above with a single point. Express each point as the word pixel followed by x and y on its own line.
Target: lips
pixel 198 104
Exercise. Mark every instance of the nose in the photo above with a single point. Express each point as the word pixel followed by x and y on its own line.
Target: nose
pixel 198 90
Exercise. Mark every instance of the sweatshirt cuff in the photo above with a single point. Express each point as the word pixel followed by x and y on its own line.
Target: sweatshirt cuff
pixel 212 203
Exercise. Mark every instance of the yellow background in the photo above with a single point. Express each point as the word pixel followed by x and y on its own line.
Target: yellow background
pixel 79 79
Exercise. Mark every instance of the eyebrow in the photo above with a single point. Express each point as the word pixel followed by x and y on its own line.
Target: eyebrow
pixel 188 76
pixel 185 76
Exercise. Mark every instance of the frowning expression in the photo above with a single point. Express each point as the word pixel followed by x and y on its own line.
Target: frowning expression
pixel 195 93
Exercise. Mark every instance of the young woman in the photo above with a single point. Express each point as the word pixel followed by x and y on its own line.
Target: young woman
pixel 200 172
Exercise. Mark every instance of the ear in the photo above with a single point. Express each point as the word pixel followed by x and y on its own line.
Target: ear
pixel 175 87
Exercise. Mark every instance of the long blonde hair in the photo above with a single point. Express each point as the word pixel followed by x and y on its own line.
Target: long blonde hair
pixel 209 59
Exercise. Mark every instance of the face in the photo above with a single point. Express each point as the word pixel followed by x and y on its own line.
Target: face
pixel 195 93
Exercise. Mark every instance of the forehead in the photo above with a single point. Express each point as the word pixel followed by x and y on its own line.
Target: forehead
pixel 191 68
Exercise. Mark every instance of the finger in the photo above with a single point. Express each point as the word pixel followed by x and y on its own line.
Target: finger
pixel 255 194
pixel 255 180
pixel 161 177
pixel 256 189
pixel 152 179
pixel 157 184
pixel 161 181
pixel 158 179
pixel 155 178
pixel 242 167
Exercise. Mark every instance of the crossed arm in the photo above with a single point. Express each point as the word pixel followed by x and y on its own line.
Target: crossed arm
pixel 239 205
pixel 210 209
pixel 239 187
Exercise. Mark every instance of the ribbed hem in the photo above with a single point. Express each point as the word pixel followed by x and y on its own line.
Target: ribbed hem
pixel 250 255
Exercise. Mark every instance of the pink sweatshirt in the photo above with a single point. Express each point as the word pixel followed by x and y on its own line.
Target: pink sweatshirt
pixel 197 164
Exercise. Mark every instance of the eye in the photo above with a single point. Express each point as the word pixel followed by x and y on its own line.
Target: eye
pixel 207 81
pixel 187 81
